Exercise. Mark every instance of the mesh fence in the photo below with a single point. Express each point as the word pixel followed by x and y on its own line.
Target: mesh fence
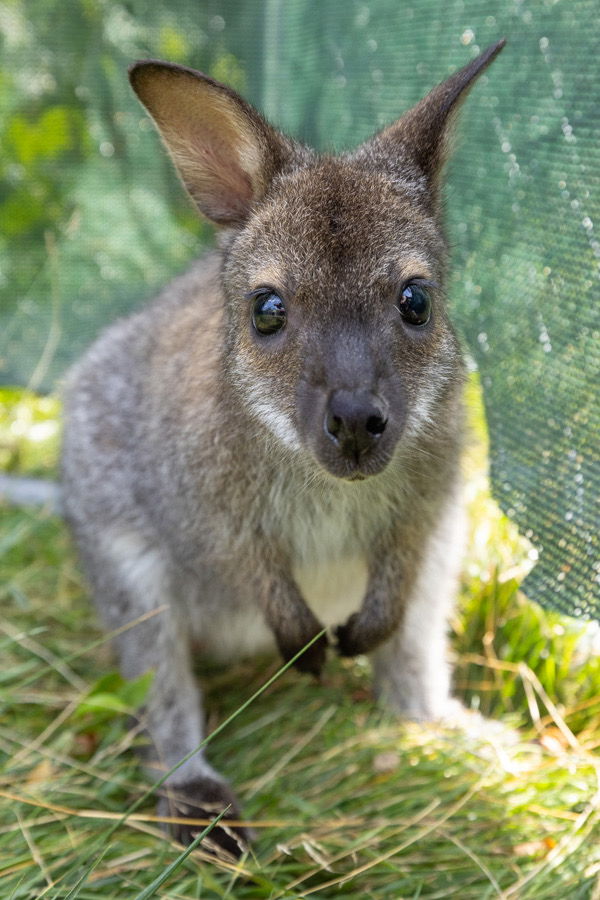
pixel 92 218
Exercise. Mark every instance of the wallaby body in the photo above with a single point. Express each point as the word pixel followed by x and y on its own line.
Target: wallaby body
pixel 272 446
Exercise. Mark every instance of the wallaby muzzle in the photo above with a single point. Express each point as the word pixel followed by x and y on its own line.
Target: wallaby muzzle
pixel 352 430
pixel 354 420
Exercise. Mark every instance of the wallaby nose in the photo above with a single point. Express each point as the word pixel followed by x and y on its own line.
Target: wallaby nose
pixel 354 421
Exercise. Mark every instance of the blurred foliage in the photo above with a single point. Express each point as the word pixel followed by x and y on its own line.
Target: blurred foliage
pixel 93 220
pixel 507 647
pixel 111 694
pixel 29 432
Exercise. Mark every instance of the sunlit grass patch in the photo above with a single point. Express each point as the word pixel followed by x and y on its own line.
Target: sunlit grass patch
pixel 29 432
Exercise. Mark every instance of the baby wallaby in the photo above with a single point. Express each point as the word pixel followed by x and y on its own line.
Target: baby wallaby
pixel 272 446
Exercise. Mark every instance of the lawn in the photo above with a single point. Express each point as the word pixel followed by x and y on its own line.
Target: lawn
pixel 344 800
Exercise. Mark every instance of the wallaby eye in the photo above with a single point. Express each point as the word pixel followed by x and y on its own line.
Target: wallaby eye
pixel 414 304
pixel 268 312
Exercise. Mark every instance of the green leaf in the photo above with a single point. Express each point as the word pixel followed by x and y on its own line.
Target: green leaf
pixel 102 702
pixel 134 693
pixel 112 693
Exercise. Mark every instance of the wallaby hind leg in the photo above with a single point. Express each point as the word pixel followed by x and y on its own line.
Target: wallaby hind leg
pixel 131 581
pixel 411 671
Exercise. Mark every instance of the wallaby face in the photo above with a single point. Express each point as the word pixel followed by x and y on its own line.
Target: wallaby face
pixel 272 446
pixel 338 339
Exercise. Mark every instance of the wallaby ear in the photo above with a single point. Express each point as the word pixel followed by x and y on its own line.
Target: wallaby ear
pixel 224 151
pixel 421 138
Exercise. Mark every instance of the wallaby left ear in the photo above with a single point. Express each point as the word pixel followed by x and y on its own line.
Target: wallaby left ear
pixel 422 137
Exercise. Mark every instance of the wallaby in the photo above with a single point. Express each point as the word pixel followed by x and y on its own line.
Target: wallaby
pixel 272 446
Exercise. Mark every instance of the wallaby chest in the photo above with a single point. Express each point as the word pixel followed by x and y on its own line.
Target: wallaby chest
pixel 329 538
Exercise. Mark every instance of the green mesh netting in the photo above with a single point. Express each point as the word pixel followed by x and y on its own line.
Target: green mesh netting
pixel 92 218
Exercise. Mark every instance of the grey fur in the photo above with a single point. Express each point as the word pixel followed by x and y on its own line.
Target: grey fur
pixel 198 480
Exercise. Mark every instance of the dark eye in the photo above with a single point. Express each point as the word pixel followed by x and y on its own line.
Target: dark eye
pixel 268 313
pixel 414 304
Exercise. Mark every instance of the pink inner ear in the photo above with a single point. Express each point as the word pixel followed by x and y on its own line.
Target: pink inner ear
pixel 212 173
pixel 217 143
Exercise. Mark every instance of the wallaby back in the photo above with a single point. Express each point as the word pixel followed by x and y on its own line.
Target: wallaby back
pixel 272 446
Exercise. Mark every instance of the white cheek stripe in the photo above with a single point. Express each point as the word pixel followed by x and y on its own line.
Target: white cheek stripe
pixel 421 414
pixel 259 400
pixel 278 422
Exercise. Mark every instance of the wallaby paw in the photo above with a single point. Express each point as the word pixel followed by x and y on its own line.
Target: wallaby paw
pixel 349 640
pixel 205 798
pixel 312 660
pixel 359 635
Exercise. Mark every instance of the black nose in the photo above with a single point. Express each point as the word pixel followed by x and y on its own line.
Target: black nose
pixel 354 421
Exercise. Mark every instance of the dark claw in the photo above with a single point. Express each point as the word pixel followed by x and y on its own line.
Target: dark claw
pixel 348 643
pixel 205 798
pixel 312 660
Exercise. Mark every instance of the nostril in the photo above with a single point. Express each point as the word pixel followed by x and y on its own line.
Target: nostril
pixel 376 425
pixel 333 425
pixel 354 421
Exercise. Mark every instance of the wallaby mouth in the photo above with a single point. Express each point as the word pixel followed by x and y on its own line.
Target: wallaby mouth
pixel 357 468
pixel 351 396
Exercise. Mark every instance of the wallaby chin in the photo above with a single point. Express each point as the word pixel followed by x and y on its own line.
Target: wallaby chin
pixel 272 446
pixel 353 470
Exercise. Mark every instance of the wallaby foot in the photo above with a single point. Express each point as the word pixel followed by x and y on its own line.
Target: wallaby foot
pixel 205 798
pixel 312 660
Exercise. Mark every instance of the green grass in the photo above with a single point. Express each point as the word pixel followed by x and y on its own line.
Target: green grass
pixel 344 800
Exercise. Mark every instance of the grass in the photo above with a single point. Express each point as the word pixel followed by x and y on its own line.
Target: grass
pixel 345 801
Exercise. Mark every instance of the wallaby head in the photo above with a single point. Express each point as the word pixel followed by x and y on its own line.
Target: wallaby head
pixel 336 330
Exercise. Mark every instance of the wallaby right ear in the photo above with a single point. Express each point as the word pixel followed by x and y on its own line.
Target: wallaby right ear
pixel 224 151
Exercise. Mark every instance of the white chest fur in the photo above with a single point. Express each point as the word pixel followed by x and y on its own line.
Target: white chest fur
pixel 328 563
pixel 333 589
